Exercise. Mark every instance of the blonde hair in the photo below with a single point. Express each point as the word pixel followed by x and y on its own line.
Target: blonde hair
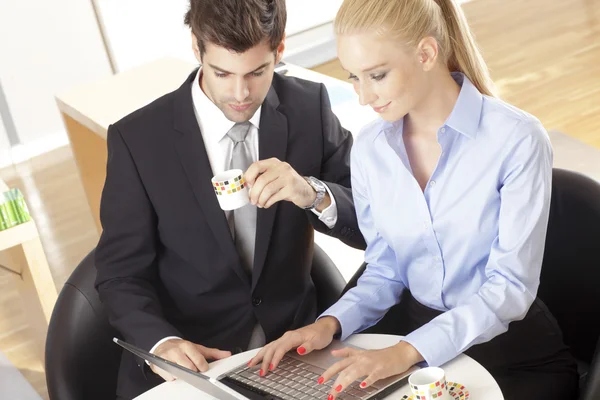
pixel 412 20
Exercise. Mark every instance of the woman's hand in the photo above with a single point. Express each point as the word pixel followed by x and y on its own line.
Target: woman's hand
pixel 312 337
pixel 372 365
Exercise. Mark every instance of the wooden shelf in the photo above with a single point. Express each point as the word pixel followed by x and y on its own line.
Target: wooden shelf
pixel 16 235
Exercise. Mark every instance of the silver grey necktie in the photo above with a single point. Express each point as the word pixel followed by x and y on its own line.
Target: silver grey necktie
pixel 244 218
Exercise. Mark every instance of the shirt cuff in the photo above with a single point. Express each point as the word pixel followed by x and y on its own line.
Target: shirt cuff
pixel 161 341
pixel 329 215
pixel 348 316
pixel 433 343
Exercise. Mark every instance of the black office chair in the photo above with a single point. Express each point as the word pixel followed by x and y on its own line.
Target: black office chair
pixel 570 280
pixel 82 362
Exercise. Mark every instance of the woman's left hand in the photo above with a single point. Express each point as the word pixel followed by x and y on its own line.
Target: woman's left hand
pixel 373 365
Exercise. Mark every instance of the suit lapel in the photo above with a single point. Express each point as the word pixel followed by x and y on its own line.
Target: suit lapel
pixel 273 138
pixel 194 159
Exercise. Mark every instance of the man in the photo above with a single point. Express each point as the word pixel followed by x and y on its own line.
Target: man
pixel 179 276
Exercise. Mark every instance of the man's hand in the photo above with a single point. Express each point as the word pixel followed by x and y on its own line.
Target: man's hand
pixel 187 354
pixel 272 180
pixel 315 336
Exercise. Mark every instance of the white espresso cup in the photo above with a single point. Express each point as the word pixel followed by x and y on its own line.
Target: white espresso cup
pixel 429 384
pixel 231 189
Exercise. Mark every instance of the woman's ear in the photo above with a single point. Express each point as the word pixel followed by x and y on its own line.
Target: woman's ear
pixel 428 52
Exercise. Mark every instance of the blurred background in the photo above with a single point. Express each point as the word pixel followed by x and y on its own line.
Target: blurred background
pixel 544 56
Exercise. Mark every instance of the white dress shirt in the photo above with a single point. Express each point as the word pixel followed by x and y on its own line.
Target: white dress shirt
pixel 214 127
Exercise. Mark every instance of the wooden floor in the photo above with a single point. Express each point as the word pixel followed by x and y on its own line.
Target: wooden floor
pixel 544 56
pixel 57 203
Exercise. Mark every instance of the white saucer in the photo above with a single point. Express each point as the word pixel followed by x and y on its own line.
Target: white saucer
pixel 457 392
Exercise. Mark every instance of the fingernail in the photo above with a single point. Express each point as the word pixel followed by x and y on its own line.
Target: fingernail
pixel 301 350
pixel 363 385
pixel 321 380
pixel 330 397
pixel 271 367
pixel 261 373
pixel 339 388
pixel 249 362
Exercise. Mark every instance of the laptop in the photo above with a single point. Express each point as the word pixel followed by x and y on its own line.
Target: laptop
pixel 294 379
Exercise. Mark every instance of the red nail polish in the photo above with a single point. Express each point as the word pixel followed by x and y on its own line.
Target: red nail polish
pixel 249 362
pixel 339 388
pixel 363 385
pixel 321 380
pixel 271 367
pixel 261 373
pixel 330 397
pixel 301 350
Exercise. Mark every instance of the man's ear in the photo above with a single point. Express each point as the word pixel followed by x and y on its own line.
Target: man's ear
pixel 279 51
pixel 196 49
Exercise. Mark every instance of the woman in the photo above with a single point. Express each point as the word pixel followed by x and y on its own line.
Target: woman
pixel 452 191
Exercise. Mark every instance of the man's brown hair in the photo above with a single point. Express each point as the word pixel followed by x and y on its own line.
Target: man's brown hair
pixel 237 25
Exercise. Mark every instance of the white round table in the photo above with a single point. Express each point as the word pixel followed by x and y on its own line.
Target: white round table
pixel 463 369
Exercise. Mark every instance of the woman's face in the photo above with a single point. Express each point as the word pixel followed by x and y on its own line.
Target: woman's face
pixel 386 75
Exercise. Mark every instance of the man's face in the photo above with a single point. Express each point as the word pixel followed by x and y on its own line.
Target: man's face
pixel 237 83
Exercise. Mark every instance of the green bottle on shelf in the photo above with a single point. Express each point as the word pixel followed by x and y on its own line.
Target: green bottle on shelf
pixel 13 209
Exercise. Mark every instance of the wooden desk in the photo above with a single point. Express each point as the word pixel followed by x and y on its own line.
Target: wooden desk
pixel 89 109
pixel 22 254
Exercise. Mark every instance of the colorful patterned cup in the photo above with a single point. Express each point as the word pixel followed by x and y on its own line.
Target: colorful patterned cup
pixel 429 384
pixel 231 189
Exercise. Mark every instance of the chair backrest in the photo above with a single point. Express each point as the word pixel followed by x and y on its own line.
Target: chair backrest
pixel 591 391
pixel 329 282
pixel 570 280
pixel 82 362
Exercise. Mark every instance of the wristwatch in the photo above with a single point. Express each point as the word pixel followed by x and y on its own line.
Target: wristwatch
pixel 320 188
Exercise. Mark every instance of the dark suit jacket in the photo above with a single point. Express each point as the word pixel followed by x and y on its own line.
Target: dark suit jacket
pixel 167 265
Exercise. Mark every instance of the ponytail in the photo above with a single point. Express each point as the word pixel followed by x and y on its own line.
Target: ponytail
pixel 462 53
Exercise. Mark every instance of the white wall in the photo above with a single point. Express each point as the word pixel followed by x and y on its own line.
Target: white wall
pixel 134 40
pixel 307 14
pixel 5 158
pixel 45 47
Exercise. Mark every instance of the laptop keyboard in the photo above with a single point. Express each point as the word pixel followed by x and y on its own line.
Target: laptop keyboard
pixel 295 380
